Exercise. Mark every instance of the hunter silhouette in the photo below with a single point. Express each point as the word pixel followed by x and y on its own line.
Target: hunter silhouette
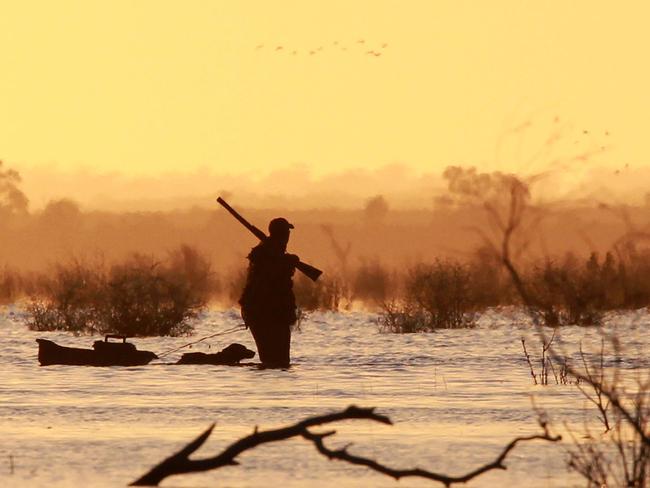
pixel 268 305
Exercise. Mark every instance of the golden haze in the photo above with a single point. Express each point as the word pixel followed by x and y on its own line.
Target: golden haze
pixel 150 87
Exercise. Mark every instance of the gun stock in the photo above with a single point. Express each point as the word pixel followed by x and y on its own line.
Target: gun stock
pixel 310 271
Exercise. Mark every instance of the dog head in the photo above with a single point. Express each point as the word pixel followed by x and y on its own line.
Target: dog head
pixel 236 352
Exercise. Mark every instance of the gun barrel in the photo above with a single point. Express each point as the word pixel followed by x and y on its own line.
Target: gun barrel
pixel 310 271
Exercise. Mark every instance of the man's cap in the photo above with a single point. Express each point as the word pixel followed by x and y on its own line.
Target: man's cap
pixel 279 224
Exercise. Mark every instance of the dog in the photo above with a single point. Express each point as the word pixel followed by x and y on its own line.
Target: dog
pixel 231 355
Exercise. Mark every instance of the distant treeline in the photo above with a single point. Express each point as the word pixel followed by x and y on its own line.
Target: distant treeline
pixel 332 239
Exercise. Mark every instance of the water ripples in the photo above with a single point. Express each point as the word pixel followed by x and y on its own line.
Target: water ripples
pixel 456 396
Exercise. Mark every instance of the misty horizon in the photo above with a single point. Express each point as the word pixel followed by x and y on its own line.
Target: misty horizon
pixel 297 187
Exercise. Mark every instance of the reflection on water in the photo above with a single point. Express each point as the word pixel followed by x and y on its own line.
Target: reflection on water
pixel 456 397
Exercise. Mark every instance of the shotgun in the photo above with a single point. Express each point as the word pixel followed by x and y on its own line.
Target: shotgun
pixel 308 270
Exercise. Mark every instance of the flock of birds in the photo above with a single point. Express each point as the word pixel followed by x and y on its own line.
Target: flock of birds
pixel 360 46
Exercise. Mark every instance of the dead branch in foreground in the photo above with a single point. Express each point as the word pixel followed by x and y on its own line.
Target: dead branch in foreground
pixel 180 463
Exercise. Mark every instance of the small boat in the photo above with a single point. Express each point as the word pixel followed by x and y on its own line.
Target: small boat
pixel 103 353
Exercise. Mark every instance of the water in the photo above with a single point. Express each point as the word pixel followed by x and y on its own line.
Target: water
pixel 456 398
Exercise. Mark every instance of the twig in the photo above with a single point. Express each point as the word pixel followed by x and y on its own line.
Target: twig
pixel 344 455
pixel 180 463
pixel 597 386
pixel 530 364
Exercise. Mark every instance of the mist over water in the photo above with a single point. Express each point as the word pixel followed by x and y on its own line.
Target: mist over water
pixel 299 187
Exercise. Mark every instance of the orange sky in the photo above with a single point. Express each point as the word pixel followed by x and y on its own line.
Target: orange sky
pixel 148 87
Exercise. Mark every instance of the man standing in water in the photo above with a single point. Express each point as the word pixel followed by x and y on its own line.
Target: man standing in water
pixel 268 305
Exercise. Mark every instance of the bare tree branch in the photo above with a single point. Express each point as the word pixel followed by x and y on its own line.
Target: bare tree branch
pixel 611 393
pixel 180 463
pixel 498 463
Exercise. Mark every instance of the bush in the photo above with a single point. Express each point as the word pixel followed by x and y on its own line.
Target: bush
pixel 574 293
pixel 139 297
pixel 567 294
pixel 490 284
pixel 404 318
pixel 437 295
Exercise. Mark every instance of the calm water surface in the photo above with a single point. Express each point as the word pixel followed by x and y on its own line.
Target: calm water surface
pixel 456 398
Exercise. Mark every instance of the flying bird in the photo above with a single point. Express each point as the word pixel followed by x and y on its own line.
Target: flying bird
pixel 259 46
pixel 279 48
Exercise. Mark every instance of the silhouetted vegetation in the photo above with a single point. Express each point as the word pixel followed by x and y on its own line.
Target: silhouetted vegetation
pixel 422 298
pixel 12 200
pixel 180 462
pixel 622 456
pixel 403 318
pixel 433 291
pixel 138 297
pixel 437 295
pixel 558 368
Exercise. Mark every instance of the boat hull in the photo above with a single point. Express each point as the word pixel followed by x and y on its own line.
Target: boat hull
pixel 109 354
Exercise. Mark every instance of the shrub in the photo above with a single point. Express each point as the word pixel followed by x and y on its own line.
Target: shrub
pixel 403 318
pixel 68 299
pixel 443 291
pixel 566 294
pixel 139 297
pixel 437 295
pixel 490 285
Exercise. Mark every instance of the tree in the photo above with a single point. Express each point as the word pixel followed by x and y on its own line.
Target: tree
pixel 12 200
pixel 375 209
